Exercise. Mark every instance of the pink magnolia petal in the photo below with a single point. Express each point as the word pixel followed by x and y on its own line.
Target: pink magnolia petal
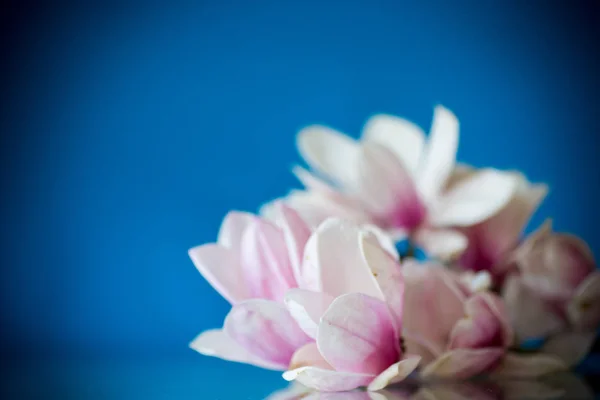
pixel 295 234
pixel 482 327
pixel 414 343
pixel 307 307
pixel 330 152
pixel 356 334
pixel 528 366
pixel 439 154
pixel 463 363
pixel 216 343
pixel 570 347
pixel 326 380
pixel 221 268
pixel 308 356
pixel 395 373
pixel 265 261
pixel 584 308
pixel 530 317
pixel 266 329
pixel 387 188
pixel 444 244
pixel 433 303
pixel 385 239
pixel 312 182
pixel 404 138
pixel 388 274
pixel 232 229
pixel 333 254
pixel 474 199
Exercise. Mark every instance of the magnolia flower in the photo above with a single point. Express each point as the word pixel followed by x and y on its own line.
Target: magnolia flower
pixel 253 265
pixel 492 241
pixel 356 319
pixel 555 292
pixel 397 180
pixel 461 333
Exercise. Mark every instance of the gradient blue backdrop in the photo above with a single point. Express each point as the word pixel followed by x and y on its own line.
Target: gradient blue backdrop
pixel 129 131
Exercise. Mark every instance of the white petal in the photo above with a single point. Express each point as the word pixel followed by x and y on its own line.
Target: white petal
pixel 385 239
pixel 404 138
pixel 570 347
pixel 444 244
pixel 327 380
pixel 216 343
pixel 307 308
pixel 528 366
pixel 439 154
pixel 474 199
pixel 330 152
pixel 232 229
pixel 395 373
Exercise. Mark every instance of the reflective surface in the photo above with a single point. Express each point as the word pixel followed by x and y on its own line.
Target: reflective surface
pixel 213 379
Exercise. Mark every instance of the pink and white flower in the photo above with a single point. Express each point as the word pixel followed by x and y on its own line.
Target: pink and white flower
pixel 461 333
pixel 396 179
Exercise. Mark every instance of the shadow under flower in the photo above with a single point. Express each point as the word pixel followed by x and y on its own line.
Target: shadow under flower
pixel 556 386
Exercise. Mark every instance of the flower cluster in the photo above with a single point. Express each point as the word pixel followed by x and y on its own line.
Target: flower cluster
pixel 320 290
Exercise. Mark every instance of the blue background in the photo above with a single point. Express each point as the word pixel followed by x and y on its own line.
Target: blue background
pixel 129 131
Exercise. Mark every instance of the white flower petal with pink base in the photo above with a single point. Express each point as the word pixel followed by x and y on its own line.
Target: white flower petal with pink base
pixel 216 343
pixel 308 356
pixel 295 234
pixel 439 155
pixel 387 188
pixel 570 347
pixel 444 244
pixel 333 253
pixel 385 240
pixel 330 152
pixel 404 138
pixel 463 363
pixel 388 274
pixel 356 334
pixel 395 373
pixel 266 329
pixel 232 229
pixel 327 380
pixel 474 199
pixel 584 308
pixel 221 268
pixel 312 182
pixel 307 307
pixel 528 366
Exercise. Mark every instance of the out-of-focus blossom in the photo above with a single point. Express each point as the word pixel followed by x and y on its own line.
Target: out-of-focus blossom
pixel 492 241
pixel 396 179
pixel 461 333
pixel 356 319
pixel 253 265
pixel 555 293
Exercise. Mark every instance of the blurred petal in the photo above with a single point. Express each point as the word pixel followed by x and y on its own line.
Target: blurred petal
pixel 474 199
pixel 330 152
pixel 265 261
pixel 308 356
pixel 312 182
pixel 432 304
pixel 307 308
pixel 439 154
pixel 444 244
pixel 570 347
pixel 232 229
pixel 529 315
pixel 584 309
pixel 528 366
pixel 356 334
pixel 388 274
pixel 395 373
pixel 295 234
pixel 216 343
pixel 404 138
pixel 463 363
pixel 333 253
pixel 327 380
pixel 221 268
pixel 385 239
pixel 387 189
pixel 266 329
